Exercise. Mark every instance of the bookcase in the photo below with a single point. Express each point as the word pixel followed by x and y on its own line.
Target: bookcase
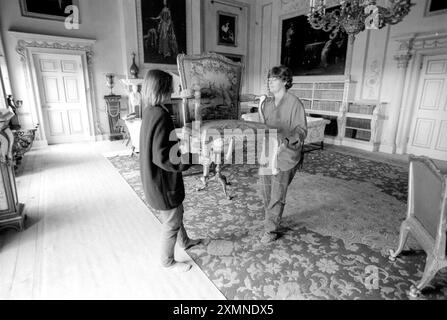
pixel 362 125
pixel 352 123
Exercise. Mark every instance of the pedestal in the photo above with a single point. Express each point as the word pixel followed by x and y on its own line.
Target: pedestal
pixel 113 103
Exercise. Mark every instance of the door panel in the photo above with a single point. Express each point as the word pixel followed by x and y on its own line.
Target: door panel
pixel 63 94
pixel 424 132
pixel 69 66
pixel 428 134
pixel 56 122
pixel 432 94
pixel 49 66
pixel 52 90
pixel 437 67
pixel 441 145
pixel 75 118
pixel 71 90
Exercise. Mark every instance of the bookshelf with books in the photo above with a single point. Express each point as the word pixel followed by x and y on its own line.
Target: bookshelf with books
pixel 353 123
pixel 326 99
pixel 363 124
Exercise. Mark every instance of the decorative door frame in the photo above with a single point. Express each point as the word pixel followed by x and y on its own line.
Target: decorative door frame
pixel 29 44
pixel 410 56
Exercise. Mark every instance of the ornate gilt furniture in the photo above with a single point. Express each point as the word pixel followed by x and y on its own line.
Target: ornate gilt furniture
pixel 11 211
pixel 426 217
pixel 214 85
pixel 23 142
pixel 113 107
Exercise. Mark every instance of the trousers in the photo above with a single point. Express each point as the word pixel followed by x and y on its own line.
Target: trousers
pixel 274 192
pixel 173 230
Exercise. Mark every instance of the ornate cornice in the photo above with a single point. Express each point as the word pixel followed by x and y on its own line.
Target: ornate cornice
pixel 410 43
pixel 31 40
pixel 418 41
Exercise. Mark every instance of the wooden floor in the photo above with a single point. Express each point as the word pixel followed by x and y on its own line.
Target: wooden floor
pixel 88 235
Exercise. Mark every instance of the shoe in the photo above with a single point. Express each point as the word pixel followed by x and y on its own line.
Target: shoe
pixel 192 243
pixel 269 237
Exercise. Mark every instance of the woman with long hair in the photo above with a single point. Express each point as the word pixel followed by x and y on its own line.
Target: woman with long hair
pixel 161 167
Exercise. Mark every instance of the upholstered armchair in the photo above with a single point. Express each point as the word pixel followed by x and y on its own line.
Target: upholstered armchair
pixel 426 217
pixel 211 103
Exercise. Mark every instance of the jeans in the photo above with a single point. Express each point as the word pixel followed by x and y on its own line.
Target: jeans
pixel 274 191
pixel 171 230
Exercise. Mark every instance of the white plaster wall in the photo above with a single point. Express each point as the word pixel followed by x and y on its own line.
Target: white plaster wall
pixel 99 21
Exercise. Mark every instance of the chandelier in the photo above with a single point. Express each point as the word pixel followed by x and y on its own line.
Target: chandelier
pixel 354 16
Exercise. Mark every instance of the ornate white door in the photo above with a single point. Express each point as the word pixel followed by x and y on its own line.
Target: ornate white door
pixel 428 134
pixel 63 97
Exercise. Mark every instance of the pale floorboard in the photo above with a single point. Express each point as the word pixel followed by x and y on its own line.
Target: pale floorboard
pixel 88 235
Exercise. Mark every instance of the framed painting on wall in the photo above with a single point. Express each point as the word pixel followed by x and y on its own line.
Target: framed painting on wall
pixel 311 52
pixel 233 57
pixel 161 30
pixel 47 9
pixel 226 29
pixel 435 7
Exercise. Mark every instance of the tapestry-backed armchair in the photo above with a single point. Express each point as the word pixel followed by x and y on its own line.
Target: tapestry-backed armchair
pixel 213 83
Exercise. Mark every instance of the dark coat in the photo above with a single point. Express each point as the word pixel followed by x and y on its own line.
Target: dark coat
pixel 161 175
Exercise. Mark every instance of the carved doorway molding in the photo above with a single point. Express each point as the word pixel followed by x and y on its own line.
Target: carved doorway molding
pixel 29 45
pixel 413 48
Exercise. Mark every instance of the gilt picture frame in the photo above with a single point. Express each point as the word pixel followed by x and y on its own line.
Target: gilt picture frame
pixel 435 7
pixel 47 9
pixel 162 32
pixel 227 29
pixel 310 52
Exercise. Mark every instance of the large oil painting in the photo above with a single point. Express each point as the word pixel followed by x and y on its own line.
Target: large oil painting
pixel 162 30
pixel 435 7
pixel 312 52
pixel 47 9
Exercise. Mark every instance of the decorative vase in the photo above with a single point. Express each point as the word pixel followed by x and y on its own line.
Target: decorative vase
pixel 133 68
pixel 110 81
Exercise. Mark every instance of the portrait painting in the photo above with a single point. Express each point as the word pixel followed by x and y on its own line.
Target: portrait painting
pixel 312 52
pixel 435 7
pixel 47 9
pixel 226 29
pixel 162 30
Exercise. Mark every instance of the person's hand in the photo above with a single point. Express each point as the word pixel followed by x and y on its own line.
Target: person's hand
pixel 187 93
pixel 184 146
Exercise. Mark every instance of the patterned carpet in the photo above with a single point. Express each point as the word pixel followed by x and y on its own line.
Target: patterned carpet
pixel 343 213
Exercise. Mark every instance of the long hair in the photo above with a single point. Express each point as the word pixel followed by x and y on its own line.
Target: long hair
pixel 284 73
pixel 157 87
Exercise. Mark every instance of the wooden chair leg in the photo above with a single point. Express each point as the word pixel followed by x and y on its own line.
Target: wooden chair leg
pixel 223 181
pixel 432 266
pixel 404 230
pixel 205 177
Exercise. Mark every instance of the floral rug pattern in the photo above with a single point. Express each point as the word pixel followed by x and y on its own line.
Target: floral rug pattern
pixel 343 213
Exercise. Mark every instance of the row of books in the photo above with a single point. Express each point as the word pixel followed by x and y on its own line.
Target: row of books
pixel 361 108
pixel 359 123
pixel 333 106
pixel 359 135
